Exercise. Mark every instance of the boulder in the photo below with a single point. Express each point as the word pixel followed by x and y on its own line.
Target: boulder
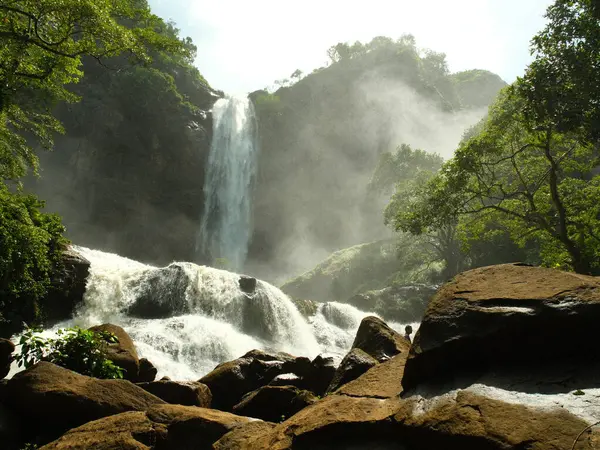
pixel 162 427
pixel 287 379
pixel 377 339
pixel 6 350
pixel 381 381
pixel 147 371
pixel 244 435
pixel 67 288
pixel 501 318
pixel 122 353
pixel 319 378
pixel 354 364
pixel 274 403
pixel 247 284
pixel 58 399
pixel 230 381
pixel 191 393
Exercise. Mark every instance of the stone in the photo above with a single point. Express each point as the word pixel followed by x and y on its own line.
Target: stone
pixel 162 427
pixel 247 284
pixel 6 350
pixel 190 393
pixel 59 399
pixel 122 353
pixel 504 317
pixel 147 371
pixel 354 364
pixel 244 435
pixel 377 339
pixel 287 379
pixel 230 381
pixel 274 403
pixel 381 381
pixel 320 376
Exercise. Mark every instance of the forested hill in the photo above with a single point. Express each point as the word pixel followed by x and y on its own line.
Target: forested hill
pixel 322 134
pixel 128 173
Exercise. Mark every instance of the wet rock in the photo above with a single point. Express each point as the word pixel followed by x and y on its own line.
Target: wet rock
pixel 6 350
pixel 190 393
pixel 122 353
pixel 247 284
pixel 377 339
pixel 274 403
pixel 503 318
pixel 162 427
pixel 354 364
pixel 147 371
pixel 162 294
pixel 58 399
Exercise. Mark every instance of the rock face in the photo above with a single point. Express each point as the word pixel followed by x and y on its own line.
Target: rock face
pixel 6 350
pixel 58 399
pixel 377 339
pixel 190 393
pixel 354 364
pixel 162 427
pixel 500 317
pixel 274 403
pixel 122 353
pixel 230 381
pixel 68 287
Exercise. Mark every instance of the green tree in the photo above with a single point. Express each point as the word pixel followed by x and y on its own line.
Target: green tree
pixel 536 182
pixel 42 43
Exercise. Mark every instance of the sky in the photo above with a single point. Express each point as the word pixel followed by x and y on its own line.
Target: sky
pixel 247 45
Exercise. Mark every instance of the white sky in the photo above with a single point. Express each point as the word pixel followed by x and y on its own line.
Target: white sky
pixel 244 45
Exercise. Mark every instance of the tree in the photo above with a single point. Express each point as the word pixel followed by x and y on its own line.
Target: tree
pixel 536 182
pixel 42 43
pixel 561 85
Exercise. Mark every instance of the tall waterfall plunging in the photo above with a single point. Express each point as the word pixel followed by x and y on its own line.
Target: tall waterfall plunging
pixel 186 319
pixel 226 224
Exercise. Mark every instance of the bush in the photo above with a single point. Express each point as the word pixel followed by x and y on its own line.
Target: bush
pixel 83 351
pixel 31 244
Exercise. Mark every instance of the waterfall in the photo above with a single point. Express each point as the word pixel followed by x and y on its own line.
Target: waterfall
pixel 187 319
pixel 226 224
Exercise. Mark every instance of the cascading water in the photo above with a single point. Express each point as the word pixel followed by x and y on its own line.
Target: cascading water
pixel 186 319
pixel 226 224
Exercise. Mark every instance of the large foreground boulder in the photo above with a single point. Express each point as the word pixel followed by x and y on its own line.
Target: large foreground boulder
pixel 377 339
pixel 190 393
pixel 274 403
pixel 58 399
pixel 163 427
pixel 122 353
pixel 500 318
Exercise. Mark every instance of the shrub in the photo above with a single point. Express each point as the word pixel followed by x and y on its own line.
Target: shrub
pixel 83 351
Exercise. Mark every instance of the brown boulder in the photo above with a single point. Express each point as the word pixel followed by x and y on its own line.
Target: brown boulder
pixel 6 350
pixel 191 393
pixel 318 379
pixel 354 364
pixel 499 318
pixel 230 381
pixel 244 435
pixel 377 339
pixel 122 353
pixel 274 403
pixel 162 427
pixel 59 399
pixel 147 371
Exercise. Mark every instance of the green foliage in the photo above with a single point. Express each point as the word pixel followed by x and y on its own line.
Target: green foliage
pixel 41 48
pixel 83 351
pixel 30 249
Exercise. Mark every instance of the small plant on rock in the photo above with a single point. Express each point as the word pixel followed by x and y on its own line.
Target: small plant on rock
pixel 83 351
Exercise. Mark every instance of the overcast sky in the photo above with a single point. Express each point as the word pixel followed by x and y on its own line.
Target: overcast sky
pixel 246 45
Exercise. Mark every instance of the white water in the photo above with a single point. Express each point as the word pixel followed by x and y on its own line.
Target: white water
pixel 226 224
pixel 216 321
